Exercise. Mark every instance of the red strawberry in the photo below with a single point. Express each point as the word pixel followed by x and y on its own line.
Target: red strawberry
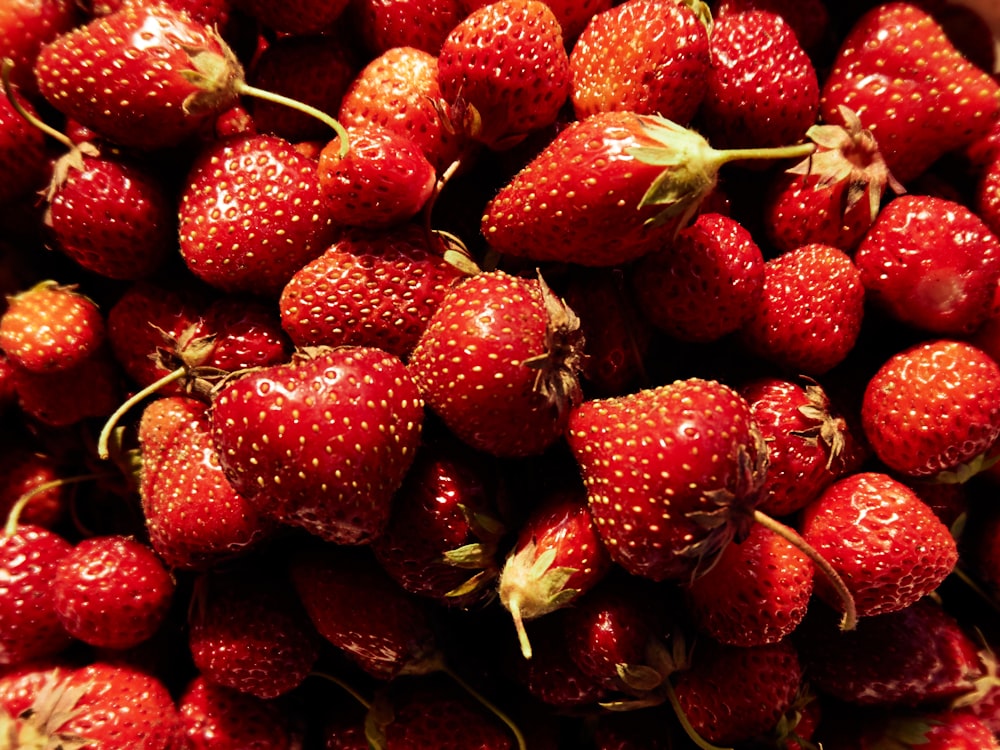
pixel 987 198
pixel 809 19
pixel 931 263
pixel 761 88
pixel 390 24
pixel 498 363
pixel 706 284
pixel 22 150
pixel 248 632
pixel 213 716
pixel 641 174
pixel 936 730
pixel 643 56
pixel 64 397
pixel 31 629
pixel 949 384
pixel 193 515
pixel 188 75
pixel 757 593
pixel 24 470
pixel 887 544
pixel 384 179
pixel 25 25
pixel 352 415
pixel 111 591
pixel 832 196
pixel 558 557
pixel 672 474
pixel 251 215
pixel 398 90
pixel 573 15
pixel 298 17
pixel 897 52
pixel 504 70
pixel 50 327
pixel 809 315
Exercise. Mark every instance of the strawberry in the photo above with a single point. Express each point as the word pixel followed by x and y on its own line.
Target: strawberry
pixel 212 715
pixel 384 25
pixel 933 730
pixel 351 414
pixel 756 594
pixel 91 388
pixel 761 88
pixel 24 470
pixel 383 180
pixel 931 263
pixel 809 19
pixel 941 102
pixel 299 17
pixel 712 692
pixel 642 56
pixel 193 515
pixel 50 327
pixel 886 543
pixel 25 26
pixel 706 284
pixel 22 151
pixel 375 288
pixel 398 90
pixel 832 196
pixel 248 632
pixel 949 384
pixel 504 71
pixel 557 558
pixel 809 315
pixel 251 214
pixel 987 198
pixel 641 174
pixel 498 363
pixel 672 474
pixel 189 75
pixel 31 628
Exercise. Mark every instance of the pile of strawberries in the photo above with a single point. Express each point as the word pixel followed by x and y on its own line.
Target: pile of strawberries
pixel 436 374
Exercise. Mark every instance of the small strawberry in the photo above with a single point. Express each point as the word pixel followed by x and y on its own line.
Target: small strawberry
pixel 504 71
pixel 949 384
pixel 351 414
pixel 558 557
pixel 810 312
pixel 498 363
pixel 213 716
pixel 705 284
pixel 942 102
pixel 642 56
pixel 931 263
pixel 50 327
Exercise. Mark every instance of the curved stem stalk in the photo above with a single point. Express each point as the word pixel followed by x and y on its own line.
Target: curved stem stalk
pixel 515 730
pixel 15 512
pixel 798 151
pixel 109 425
pixel 689 730
pixel 247 90
pixel 351 691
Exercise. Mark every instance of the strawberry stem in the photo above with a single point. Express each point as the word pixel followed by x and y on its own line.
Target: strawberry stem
pixel 850 619
pixel 798 151
pixel 8 89
pixel 689 730
pixel 102 440
pixel 367 704
pixel 489 705
pixel 15 512
pixel 514 605
pixel 247 90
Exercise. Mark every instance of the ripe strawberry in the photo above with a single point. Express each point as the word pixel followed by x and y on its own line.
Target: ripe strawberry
pixel 213 716
pixel 809 315
pixel 398 90
pixel 915 656
pixel 25 26
pixel 361 611
pixel 498 363
pixel 558 557
pixel 193 515
pixel 643 56
pixel 248 632
pixel 31 629
pixel 384 179
pixel 22 150
pixel 388 24
pixel 111 591
pixel 641 174
pixel 886 543
pixel 352 415
pixel 672 474
pixel 809 444
pixel 65 397
pixel 299 17
pixel 50 327
pixel 987 197
pixel 933 730
pixel 941 102
pixel 188 75
pixel 761 88
pixel 832 196
pixel 809 19
pixel 251 215
pixel 757 593
pixel 706 284
pixel 931 263
pixel 713 693
pixel 504 71
pixel 24 470
pixel 949 384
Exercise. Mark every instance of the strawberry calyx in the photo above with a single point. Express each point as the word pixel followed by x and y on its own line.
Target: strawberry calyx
pixel 963 472
pixel 216 77
pixel 703 12
pixel 829 430
pixel 38 726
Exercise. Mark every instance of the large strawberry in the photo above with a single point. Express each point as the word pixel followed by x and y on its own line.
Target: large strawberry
pixel 897 52
pixel 352 415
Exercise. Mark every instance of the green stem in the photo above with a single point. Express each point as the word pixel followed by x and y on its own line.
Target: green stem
pixel 515 730
pixel 798 151
pixel 247 90
pixel 8 89
pixel 689 730
pixel 15 512
pixel 102 440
